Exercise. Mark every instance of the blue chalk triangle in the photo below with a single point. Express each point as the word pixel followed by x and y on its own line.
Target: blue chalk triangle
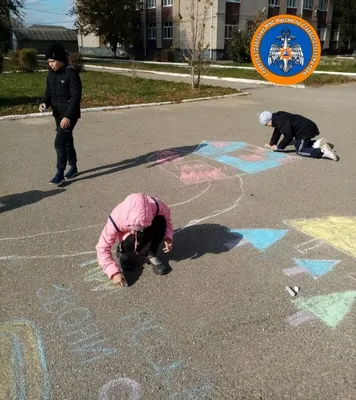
pixel 317 267
pixel 261 238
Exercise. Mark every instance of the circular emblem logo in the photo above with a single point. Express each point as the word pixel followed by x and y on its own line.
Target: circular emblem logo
pixel 285 49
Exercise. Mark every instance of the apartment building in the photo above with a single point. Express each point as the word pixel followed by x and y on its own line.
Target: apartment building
pixel 166 24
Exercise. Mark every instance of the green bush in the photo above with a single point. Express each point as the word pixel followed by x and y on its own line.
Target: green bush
pixel 28 60
pixel 76 60
pixel 1 62
pixel 14 57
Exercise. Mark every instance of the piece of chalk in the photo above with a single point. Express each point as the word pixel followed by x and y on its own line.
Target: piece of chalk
pixel 290 291
pixel 296 289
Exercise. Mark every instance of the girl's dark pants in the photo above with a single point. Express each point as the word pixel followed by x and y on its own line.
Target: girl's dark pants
pixel 64 146
pixel 153 234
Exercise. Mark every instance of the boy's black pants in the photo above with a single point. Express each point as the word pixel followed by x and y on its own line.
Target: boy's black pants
pixel 153 234
pixel 64 145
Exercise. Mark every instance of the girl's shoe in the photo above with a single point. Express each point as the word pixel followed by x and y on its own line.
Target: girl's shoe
pixel 158 267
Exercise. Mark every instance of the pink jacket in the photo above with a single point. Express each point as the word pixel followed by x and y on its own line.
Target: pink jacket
pixel 136 211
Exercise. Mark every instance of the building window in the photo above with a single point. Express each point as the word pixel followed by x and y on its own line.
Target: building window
pixel 308 4
pixel 274 3
pixel 151 3
pixel 233 1
pixel 292 3
pixel 335 35
pixel 322 34
pixel 167 3
pixel 323 5
pixel 151 32
pixel 229 31
pixel 168 30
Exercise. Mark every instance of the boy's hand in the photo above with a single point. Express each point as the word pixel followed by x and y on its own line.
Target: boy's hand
pixel 65 123
pixel 42 107
pixel 119 280
pixel 167 245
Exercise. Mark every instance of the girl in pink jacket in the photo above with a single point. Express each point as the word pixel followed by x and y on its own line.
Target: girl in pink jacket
pixel 140 223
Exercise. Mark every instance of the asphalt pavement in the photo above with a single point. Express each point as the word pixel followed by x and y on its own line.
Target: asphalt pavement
pixel 249 222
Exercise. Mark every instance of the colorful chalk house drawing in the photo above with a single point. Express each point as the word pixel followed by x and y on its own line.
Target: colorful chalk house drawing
pixel 24 368
pixel 227 159
pixel 246 158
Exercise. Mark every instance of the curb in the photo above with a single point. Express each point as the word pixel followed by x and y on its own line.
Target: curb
pixel 124 107
pixel 217 78
pixel 178 64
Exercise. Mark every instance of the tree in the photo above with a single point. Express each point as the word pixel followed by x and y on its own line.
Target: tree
pixel 8 9
pixel 346 11
pixel 194 37
pixel 239 47
pixel 114 20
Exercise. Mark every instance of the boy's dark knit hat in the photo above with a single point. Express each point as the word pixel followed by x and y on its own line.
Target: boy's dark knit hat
pixel 57 52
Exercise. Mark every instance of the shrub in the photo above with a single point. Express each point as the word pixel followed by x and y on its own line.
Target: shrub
pixel 76 60
pixel 1 62
pixel 28 60
pixel 14 57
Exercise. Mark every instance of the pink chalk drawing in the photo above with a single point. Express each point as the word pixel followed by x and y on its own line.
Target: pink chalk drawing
pixel 166 156
pixel 252 157
pixel 192 166
pixel 202 175
pixel 221 144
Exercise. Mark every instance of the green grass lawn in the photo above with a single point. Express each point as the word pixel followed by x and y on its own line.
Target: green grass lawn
pixel 20 93
pixel 314 80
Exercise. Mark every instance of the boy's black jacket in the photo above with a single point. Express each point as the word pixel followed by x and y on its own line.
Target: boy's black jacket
pixel 292 126
pixel 64 93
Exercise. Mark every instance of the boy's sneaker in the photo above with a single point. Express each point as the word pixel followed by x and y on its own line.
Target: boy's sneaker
pixel 58 179
pixel 328 153
pixel 73 171
pixel 318 144
pixel 158 267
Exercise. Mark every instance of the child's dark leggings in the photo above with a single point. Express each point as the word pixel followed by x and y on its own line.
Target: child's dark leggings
pixel 153 234
pixel 64 146
pixel 305 148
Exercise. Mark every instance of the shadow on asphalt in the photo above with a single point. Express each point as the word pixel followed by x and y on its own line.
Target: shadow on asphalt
pixel 195 241
pixel 13 201
pixel 132 162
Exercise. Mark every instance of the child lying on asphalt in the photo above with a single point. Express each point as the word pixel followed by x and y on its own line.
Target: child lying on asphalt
pixel 298 128
pixel 140 223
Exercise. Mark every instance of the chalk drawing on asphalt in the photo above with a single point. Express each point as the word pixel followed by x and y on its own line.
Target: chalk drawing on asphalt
pixel 146 335
pixel 24 367
pixel 316 268
pixel 331 309
pixel 261 239
pixel 246 158
pixel 123 388
pixel 74 324
pixel 309 245
pixel 338 232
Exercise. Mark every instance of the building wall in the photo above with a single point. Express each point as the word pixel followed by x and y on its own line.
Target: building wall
pixel 43 45
pixel 223 16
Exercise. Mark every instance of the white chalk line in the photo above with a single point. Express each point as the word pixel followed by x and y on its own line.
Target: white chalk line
pixel 17 257
pixel 49 233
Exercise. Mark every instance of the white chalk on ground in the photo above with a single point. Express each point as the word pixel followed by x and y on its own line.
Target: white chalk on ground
pixel 296 289
pixel 291 291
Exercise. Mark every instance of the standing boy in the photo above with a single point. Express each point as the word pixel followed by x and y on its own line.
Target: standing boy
pixel 63 94
pixel 299 128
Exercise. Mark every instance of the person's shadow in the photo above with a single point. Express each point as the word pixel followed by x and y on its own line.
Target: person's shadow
pixel 17 200
pixel 195 241
pixel 154 157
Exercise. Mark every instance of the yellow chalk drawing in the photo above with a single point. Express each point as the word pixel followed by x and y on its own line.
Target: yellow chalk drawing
pixel 339 232
pixel 23 371
pixel 97 274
